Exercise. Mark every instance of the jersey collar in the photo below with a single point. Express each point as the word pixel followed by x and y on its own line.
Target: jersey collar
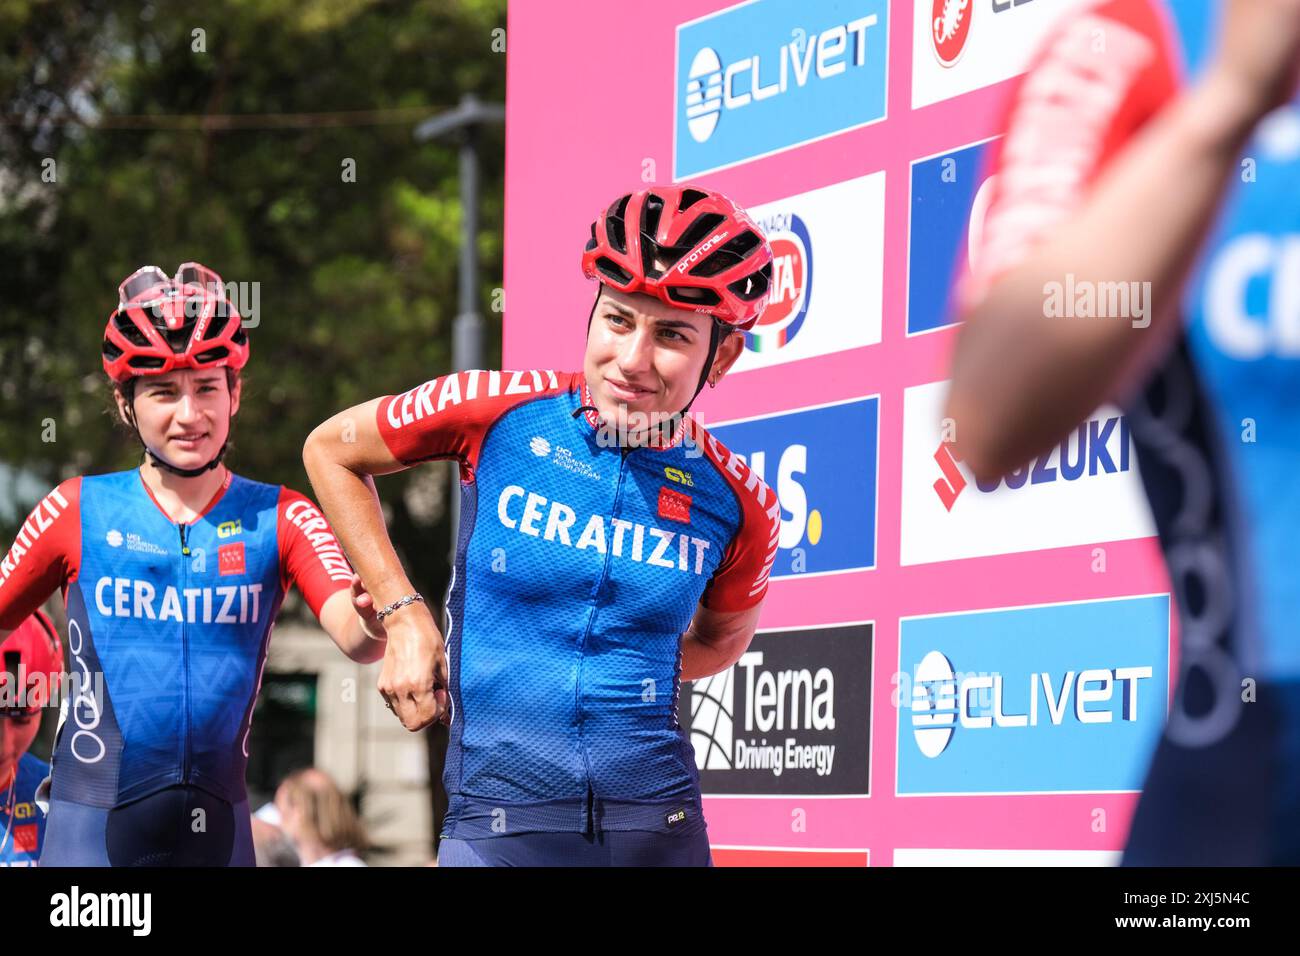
pixel 206 508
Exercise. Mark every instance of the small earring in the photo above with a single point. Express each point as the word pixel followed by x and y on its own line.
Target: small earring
pixel 713 383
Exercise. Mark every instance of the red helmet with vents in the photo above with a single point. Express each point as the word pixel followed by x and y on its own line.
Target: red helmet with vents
pixel 691 247
pixel 162 324
pixel 32 649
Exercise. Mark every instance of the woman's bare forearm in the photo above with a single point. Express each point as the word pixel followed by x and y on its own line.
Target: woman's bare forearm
pixel 345 489
pixel 715 640
pixel 701 660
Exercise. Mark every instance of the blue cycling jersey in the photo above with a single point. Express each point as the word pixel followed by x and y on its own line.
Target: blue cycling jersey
pixel 168 626
pixel 22 822
pixel 580 565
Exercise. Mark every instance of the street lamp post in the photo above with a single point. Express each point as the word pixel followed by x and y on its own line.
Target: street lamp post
pixel 462 124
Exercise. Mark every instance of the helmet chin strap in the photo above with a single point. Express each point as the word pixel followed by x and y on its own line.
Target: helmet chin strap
pixel 185 472
pixel 716 334
pixel 160 462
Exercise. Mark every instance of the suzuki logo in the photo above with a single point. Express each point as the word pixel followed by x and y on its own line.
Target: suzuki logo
pixel 953 482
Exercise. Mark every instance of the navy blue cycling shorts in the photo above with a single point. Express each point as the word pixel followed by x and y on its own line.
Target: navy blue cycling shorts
pixel 178 826
pixel 1234 801
pixel 607 848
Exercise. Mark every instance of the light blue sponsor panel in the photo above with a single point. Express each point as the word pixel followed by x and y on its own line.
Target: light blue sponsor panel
pixel 765 76
pixel 1059 698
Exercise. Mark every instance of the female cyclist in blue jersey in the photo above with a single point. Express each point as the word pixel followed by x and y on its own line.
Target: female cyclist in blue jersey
pixel 173 574
pixel 1159 143
pixel 610 548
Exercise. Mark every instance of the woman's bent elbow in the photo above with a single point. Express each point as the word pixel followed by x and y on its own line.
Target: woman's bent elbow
pixel 315 449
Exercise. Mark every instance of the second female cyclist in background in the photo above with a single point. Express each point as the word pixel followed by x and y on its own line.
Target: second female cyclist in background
pixel 173 574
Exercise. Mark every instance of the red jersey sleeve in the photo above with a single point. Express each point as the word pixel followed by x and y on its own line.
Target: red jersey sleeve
pixel 1099 78
pixel 740 581
pixel 310 555
pixel 46 554
pixel 448 417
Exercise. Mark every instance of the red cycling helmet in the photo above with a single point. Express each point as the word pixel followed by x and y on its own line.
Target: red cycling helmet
pixel 692 248
pixel 162 324
pixel 33 648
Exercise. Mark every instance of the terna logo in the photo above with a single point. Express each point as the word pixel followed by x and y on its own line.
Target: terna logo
pixel 713 708
pixel 773 723
pixel 791 289
pixel 950 29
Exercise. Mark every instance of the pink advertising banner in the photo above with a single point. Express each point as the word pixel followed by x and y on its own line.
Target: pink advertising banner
pixel 945 671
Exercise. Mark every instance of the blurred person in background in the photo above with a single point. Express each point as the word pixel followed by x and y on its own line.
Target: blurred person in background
pixel 610 549
pixel 271 844
pixel 319 820
pixel 33 664
pixel 173 574
pixel 1152 158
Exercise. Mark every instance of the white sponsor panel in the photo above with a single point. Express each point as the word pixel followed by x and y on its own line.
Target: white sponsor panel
pixel 959 46
pixel 830 247
pixel 1086 489
pixel 916 857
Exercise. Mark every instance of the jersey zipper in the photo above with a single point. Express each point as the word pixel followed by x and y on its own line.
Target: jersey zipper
pixel 582 645
pixel 185 668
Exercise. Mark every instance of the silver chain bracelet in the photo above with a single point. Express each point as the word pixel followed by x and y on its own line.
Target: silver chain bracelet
pixel 398 605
